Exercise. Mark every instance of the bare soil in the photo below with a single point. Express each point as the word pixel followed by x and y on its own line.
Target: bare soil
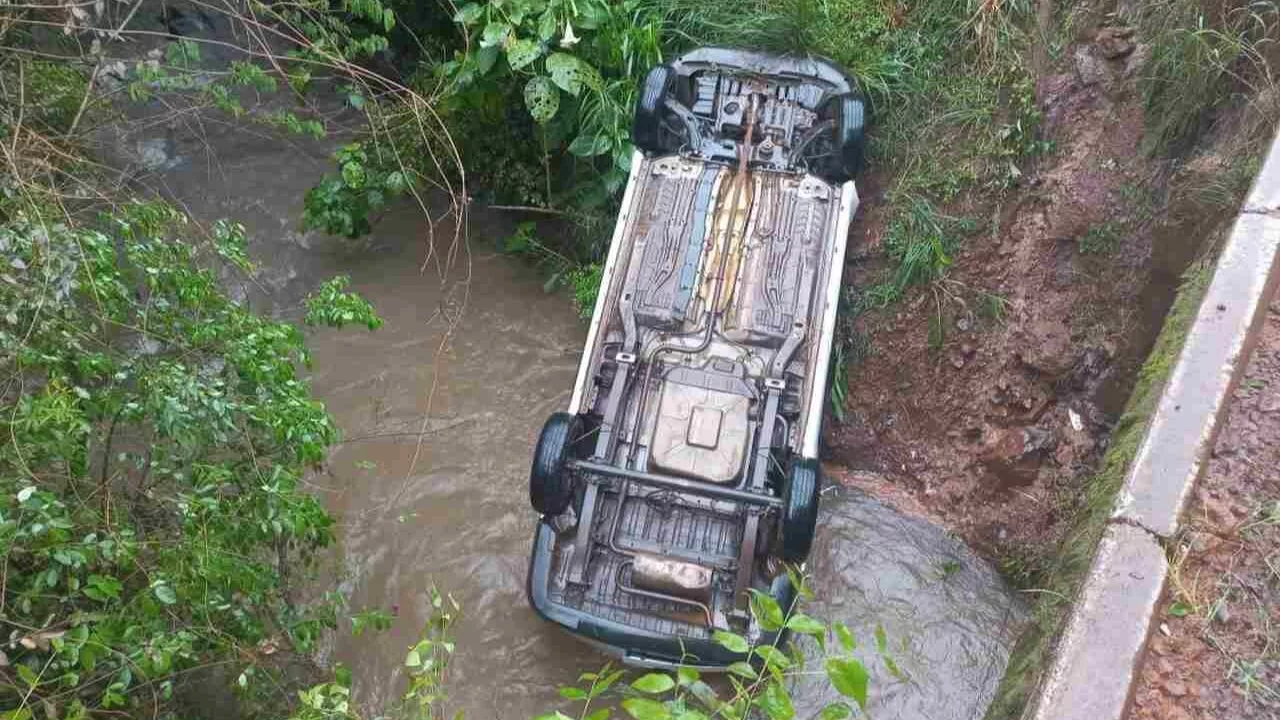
pixel 1214 654
pixel 987 396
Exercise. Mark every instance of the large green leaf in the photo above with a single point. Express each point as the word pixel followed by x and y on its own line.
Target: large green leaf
pixel 495 34
pixel 654 683
pixel 468 14
pixel 731 641
pixel 571 73
pixel 542 98
pixel 522 52
pixel 776 702
pixel 165 594
pixel 846 637
pixel 646 709
pixel 773 657
pixel 589 145
pixel 766 610
pixel 547 25
pixel 849 678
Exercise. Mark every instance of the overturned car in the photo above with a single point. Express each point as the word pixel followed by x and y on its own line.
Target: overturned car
pixel 684 473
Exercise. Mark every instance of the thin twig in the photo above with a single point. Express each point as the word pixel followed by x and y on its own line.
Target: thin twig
pixel 526 208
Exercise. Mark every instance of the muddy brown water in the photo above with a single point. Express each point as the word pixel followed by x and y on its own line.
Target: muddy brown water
pixel 457 517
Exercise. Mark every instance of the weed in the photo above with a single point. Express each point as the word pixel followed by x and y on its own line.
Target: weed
pixel 1198 63
pixel 1101 239
pixel 1185 590
pixel 585 282
pixel 839 392
pixel 1268 515
pixel 1222 190
pixel 993 307
pixel 948 568
pixel 1248 674
pixel 920 241
pixel 937 330
pixel 1140 201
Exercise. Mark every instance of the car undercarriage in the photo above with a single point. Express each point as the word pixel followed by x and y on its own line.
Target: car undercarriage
pixel 684 476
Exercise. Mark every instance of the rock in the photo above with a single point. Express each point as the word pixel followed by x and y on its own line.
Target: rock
pixel 1065 456
pixel 153 154
pixel 1013 455
pixel 187 21
pixel 1114 43
pixel 957 361
pixel 1090 69
pixel 1088 366
pixel 1175 688
pixel 1047 349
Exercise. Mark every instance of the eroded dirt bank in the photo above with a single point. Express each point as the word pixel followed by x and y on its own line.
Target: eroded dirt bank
pixel 987 397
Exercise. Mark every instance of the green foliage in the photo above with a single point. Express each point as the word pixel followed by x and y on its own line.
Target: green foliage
pixel 342 204
pixel 758 685
pixel 1201 58
pixel 1101 239
pixel 51 94
pixel 582 279
pixel 576 62
pixel 333 306
pixel 755 687
pixel 585 281
pixel 919 242
pixel 156 434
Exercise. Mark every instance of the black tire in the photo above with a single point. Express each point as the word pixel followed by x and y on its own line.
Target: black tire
pixel 647 130
pixel 800 509
pixel 848 114
pixel 550 483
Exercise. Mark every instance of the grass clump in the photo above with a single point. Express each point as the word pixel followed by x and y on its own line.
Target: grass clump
pixel 1057 584
pixel 1204 57
pixel 1101 239
pixel 919 243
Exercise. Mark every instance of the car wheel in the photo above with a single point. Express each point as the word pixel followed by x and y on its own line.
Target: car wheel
pixel 848 115
pixel 648 130
pixel 800 509
pixel 550 483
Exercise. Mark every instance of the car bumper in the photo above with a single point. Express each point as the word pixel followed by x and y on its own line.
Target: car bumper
pixel 631 645
pixel 801 67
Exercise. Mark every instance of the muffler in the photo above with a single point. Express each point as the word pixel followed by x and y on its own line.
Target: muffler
pixel 672 577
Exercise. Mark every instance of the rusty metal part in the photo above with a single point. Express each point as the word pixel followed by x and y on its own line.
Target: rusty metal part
pixel 672 577
pixel 677 483
pixel 632 590
pixel 746 557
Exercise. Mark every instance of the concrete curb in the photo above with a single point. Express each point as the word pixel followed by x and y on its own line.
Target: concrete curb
pixel 1097 658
